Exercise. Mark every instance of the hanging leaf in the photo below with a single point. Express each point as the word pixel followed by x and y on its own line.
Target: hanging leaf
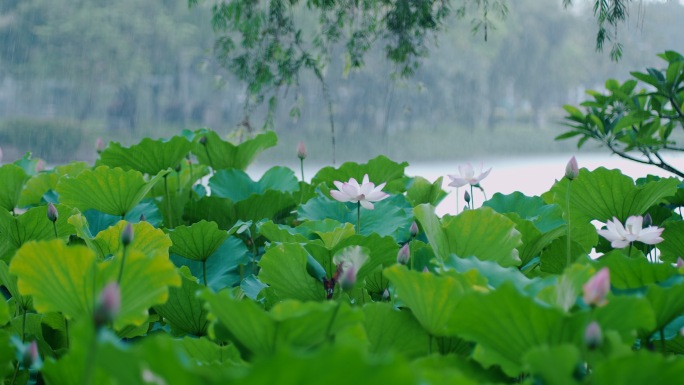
pixel 197 241
pixel 149 156
pixel 220 154
pixel 429 221
pixel 236 185
pixel 638 368
pixel 109 190
pixel 422 191
pixel 13 178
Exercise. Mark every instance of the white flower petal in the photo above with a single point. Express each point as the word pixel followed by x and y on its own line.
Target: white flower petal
pixel 367 205
pixel 339 196
pixel 651 235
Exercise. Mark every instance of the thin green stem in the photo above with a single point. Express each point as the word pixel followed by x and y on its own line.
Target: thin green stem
pixel 66 331
pixel 301 164
pixel 121 269
pixel 54 227
pixel 204 272
pixel 14 376
pixel 472 198
pixel 662 340
pixel 569 240
pixel 168 202
pixel 358 217
pixel 629 252
pixel 254 256
pixel 457 201
pixel 23 324
pixel 211 162
pixel 332 320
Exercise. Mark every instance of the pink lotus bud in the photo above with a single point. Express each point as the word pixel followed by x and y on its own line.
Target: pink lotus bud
pixel 593 337
pixel 301 150
pixel 426 270
pixel 40 165
pixel 99 145
pixel 413 230
pixel 648 220
pixel 30 357
pixel 127 235
pixel 52 213
pixel 404 254
pixel 466 197
pixel 596 289
pixel 572 169
pixel 680 263
pixel 347 279
pixel 108 304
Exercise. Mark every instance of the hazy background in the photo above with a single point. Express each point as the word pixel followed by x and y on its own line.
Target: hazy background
pixel 72 71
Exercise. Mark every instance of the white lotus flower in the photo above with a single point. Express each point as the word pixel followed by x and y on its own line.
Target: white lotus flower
pixel 621 236
pixel 366 193
pixel 350 259
pixel 467 175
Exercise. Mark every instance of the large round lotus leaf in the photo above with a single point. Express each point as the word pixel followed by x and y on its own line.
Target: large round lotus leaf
pixel 220 154
pixel 639 368
pixel 36 188
pixel 13 178
pixel 183 310
pixel 392 330
pixel 672 246
pixel 236 185
pixel 58 277
pixel 33 225
pixel 197 241
pixel 422 191
pixel 633 273
pixel 380 170
pixel 109 190
pixel 149 156
pixel 283 268
pixel 603 194
pixel 544 216
pixel 431 298
pixel 146 238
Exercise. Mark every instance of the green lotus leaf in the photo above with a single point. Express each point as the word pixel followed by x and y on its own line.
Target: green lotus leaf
pixel 492 272
pixel 633 273
pixel 197 241
pixel 625 315
pixel 554 258
pixel 109 190
pixel 149 156
pixel 9 281
pixel 254 331
pixel 328 365
pixel 507 324
pixel 283 268
pixel 639 368
pixel 422 191
pixel 36 187
pixel 183 310
pixel 180 183
pixel 672 246
pixel 563 291
pixel 453 369
pixel 430 222
pixel 544 216
pixel 667 301
pixel 236 185
pixel 285 234
pixel 145 283
pixel 392 330
pixel 212 209
pixel 60 278
pixel 533 240
pixel 147 239
pixel 332 238
pixel 603 194
pixel 270 205
pixel 382 252
pixel 380 170
pixel 391 216
pixel 13 178
pixel 553 364
pixel 431 298
pixel 71 169
pixel 220 154
pixel 33 225
pixel 206 352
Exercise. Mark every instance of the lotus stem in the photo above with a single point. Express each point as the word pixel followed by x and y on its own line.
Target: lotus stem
pixel 358 217
pixel 629 251
pixel 662 340
pixel 168 201
pixel 301 165
pixel 211 162
pixel 54 227
pixel 123 262
pixel 204 272
pixel 569 240
pixel 472 198
pixel 332 319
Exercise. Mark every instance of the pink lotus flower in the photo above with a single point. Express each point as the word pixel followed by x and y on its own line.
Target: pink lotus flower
pixel 350 259
pixel 593 337
pixel 621 236
pixel 467 175
pixel 108 304
pixel 404 254
pixel 597 288
pixel 365 194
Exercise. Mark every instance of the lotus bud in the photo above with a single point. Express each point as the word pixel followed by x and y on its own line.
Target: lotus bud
pixel 40 165
pixel 426 270
pixel 572 169
pixel 596 289
pixel 142 218
pixel 177 168
pixel 203 141
pixel 99 145
pixel 108 304
pixel 413 230
pixel 52 213
pixel 680 262
pixel 127 235
pixel 648 220
pixel 301 150
pixel 466 196
pixel 31 357
pixel 404 254
pixel 347 279
pixel 593 337
pixel 385 294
